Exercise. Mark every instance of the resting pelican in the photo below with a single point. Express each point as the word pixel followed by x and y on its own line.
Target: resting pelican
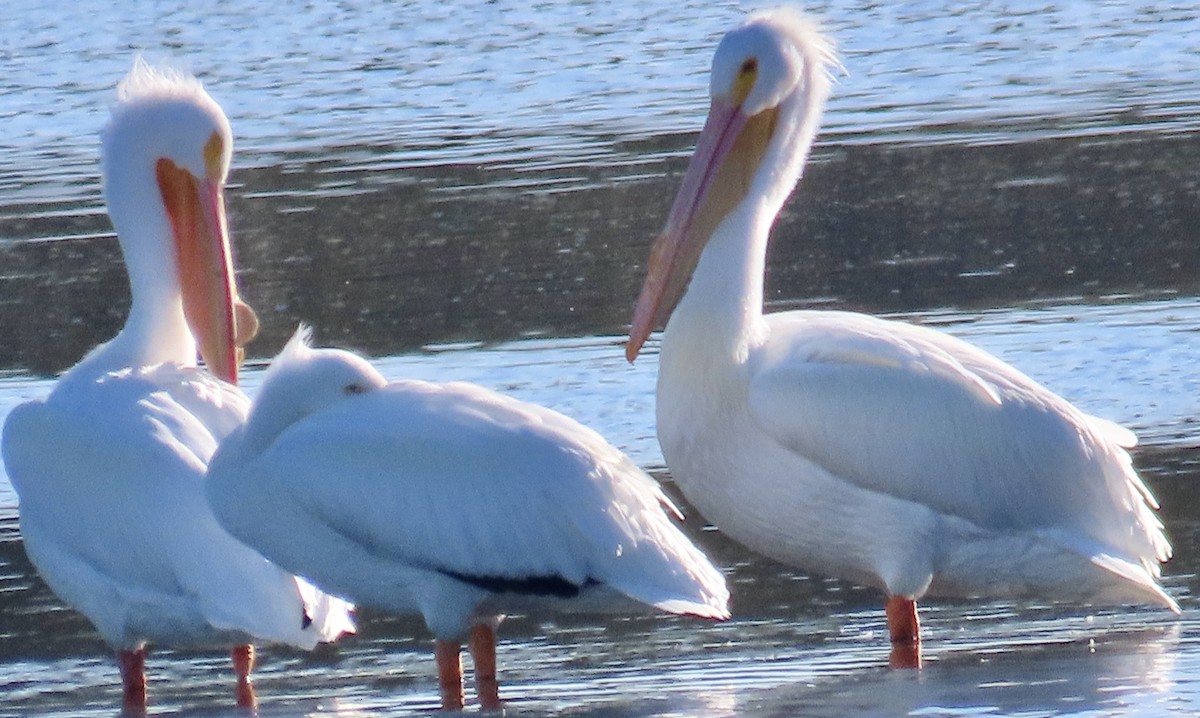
pixel 450 501
pixel 109 468
pixel 883 453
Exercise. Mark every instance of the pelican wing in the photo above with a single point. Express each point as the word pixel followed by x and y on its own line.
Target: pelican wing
pixel 460 480
pixel 924 417
pixel 110 479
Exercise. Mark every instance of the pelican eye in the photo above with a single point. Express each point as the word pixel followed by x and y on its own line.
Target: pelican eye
pixel 747 76
pixel 353 389
pixel 214 156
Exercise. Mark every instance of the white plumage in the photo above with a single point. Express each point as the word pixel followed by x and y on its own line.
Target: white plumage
pixel 451 501
pixel 110 467
pixel 885 453
pixel 110 476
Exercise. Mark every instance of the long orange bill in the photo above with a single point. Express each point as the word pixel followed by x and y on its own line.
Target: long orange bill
pixel 197 212
pixel 677 250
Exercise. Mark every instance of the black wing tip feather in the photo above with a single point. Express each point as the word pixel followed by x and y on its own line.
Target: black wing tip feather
pixel 551 585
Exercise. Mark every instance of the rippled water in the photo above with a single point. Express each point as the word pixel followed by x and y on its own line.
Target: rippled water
pixel 798 645
pixel 556 82
pixel 461 80
pixel 466 191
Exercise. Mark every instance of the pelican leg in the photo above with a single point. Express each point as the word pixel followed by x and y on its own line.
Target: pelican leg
pixel 133 678
pixel 243 663
pixel 483 653
pixel 904 628
pixel 449 664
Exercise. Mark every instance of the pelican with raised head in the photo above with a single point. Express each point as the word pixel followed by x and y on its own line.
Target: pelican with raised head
pixel 109 468
pixel 451 501
pixel 876 451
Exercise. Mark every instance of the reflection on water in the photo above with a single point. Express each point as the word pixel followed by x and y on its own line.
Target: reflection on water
pixel 797 646
pixel 1122 672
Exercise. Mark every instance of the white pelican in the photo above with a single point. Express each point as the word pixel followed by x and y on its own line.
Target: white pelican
pixel 109 468
pixel 876 451
pixel 450 501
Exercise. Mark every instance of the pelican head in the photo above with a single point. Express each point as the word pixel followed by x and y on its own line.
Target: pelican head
pixel 165 156
pixel 302 381
pixel 769 84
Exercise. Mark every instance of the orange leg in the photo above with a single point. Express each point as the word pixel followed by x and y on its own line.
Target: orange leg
pixel 905 630
pixel 483 652
pixel 449 663
pixel 243 663
pixel 133 677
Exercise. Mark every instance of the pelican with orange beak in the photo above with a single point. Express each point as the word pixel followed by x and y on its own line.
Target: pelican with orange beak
pixel 883 453
pixel 110 467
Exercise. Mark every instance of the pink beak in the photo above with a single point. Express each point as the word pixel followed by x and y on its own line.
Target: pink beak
pixel 197 213
pixel 677 250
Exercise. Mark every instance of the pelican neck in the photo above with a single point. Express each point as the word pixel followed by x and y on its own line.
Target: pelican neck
pixel 722 309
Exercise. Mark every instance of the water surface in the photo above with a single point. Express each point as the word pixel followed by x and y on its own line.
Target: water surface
pixel 798 644
pixel 467 191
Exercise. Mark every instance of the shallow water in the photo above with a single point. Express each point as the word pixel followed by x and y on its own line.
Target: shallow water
pixel 797 645
pixel 466 191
